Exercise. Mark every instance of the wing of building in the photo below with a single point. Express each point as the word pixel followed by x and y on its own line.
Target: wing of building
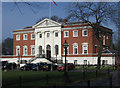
pixel 43 42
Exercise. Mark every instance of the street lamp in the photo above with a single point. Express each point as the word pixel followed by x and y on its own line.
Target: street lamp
pixel 65 45
pixel 18 60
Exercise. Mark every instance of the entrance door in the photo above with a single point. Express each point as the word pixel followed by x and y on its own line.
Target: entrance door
pixel 48 51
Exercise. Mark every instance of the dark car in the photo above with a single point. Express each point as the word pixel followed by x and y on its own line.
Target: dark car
pixel 54 66
pixel 27 67
pixel 35 67
pixel 38 66
pixel 69 66
pixel 9 66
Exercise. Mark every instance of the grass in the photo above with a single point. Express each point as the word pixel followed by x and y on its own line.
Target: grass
pixel 38 78
pixel 111 68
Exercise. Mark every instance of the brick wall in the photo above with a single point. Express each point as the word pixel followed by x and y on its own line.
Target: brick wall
pixel 22 42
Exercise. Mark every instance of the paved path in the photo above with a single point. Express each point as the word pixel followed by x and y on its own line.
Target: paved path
pixel 101 82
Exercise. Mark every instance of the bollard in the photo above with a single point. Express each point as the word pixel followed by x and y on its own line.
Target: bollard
pixel 88 82
pixel 108 71
pixel 47 79
pixel 110 81
pixel 20 82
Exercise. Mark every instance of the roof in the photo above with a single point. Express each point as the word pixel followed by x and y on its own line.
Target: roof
pixel 102 28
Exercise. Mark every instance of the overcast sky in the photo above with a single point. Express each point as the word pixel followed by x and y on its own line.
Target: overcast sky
pixel 13 18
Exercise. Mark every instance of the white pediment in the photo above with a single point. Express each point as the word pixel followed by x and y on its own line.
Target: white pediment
pixel 46 23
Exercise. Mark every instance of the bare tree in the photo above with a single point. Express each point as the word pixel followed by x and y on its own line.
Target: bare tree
pixel 94 13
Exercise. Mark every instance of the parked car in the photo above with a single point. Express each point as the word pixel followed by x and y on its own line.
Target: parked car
pixel 69 66
pixel 9 66
pixel 27 67
pixel 38 66
pixel 55 66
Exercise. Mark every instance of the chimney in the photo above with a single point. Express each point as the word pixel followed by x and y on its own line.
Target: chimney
pixel 65 20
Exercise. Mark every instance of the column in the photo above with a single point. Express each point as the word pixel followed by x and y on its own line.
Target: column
pixel 36 43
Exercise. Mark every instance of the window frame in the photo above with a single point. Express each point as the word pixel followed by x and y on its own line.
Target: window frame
pixel 65 35
pixel 84 31
pixel 55 34
pixel 24 50
pixel 17 37
pixel 17 50
pixel 32 36
pixel 85 62
pixel 32 46
pixel 47 34
pixel 75 45
pixel 83 48
pixel 74 33
pixel 40 36
pixel 24 36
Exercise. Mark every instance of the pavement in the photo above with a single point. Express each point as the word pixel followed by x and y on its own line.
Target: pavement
pixel 105 82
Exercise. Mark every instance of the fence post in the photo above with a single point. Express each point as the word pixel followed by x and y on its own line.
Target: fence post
pixel 83 75
pixel 47 79
pixel 110 81
pixel 20 82
pixel 96 73
pixel 88 82
pixel 108 70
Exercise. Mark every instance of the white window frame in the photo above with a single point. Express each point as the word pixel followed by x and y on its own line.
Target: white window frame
pixel 24 50
pixel 75 45
pixel 47 34
pixel 85 62
pixel 65 35
pixel 84 31
pixel 83 49
pixel 41 35
pixel 32 36
pixel 17 50
pixel 74 33
pixel 24 36
pixel 67 50
pixel 17 37
pixel 55 34
pixel 32 46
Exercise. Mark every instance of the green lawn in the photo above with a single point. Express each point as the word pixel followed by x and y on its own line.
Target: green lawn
pixel 111 68
pixel 38 78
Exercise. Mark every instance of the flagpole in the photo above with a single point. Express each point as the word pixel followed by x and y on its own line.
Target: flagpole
pixel 50 10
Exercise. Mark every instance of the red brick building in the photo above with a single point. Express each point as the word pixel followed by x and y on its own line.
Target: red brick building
pixel 47 37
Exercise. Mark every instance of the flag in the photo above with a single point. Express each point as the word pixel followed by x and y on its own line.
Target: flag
pixel 54 2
